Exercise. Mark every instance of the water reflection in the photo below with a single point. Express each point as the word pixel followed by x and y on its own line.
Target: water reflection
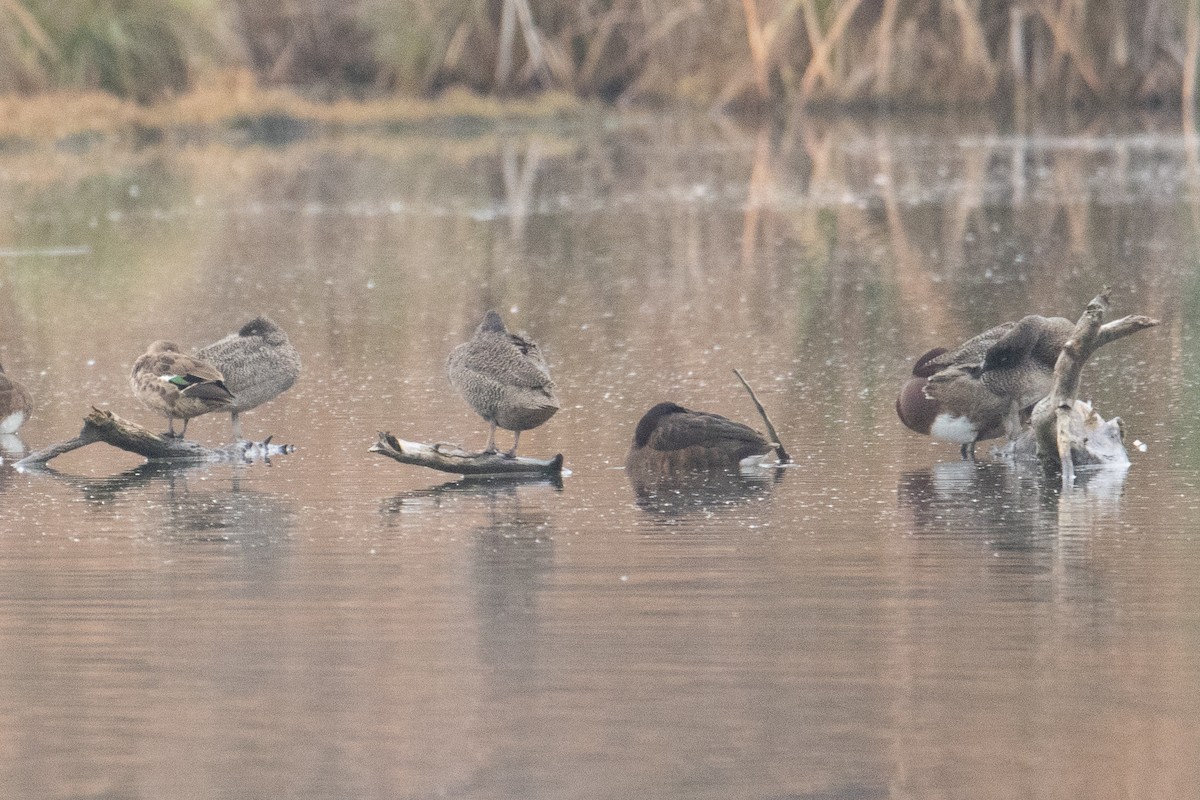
pixel 480 639
pixel 1011 503
pixel 676 498
pixel 191 503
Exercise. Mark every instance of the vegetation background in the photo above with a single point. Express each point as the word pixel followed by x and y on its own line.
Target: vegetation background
pixel 730 53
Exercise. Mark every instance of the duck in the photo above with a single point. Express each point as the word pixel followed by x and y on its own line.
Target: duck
pixel 259 364
pixel 504 378
pixel 177 385
pixel 16 404
pixel 672 440
pixel 987 386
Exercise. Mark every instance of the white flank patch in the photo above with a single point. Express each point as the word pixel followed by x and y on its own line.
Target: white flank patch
pixel 13 421
pixel 750 462
pixel 953 429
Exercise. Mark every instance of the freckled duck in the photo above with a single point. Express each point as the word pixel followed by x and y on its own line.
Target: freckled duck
pixel 15 404
pixel 258 362
pixel 980 390
pixel 504 378
pixel 671 440
pixel 178 386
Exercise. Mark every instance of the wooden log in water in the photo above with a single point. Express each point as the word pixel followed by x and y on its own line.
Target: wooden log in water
pixel 1068 432
pixel 449 458
pixel 104 426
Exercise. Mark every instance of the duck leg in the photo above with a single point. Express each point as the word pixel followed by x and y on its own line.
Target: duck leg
pixel 183 433
pixel 968 451
pixel 171 428
pixel 237 426
pixel 516 438
pixel 491 443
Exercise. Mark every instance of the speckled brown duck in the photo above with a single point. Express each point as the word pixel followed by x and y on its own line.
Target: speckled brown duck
pixel 178 386
pixel 981 389
pixel 672 440
pixel 258 362
pixel 504 378
pixel 16 404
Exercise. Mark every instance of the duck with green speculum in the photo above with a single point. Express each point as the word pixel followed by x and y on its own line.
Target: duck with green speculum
pixel 259 363
pixel 987 386
pixel 177 385
pixel 504 377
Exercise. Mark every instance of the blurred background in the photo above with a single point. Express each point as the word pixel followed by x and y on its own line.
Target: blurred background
pixel 1063 53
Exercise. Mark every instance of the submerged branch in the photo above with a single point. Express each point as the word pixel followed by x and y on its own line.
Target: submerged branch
pixel 104 426
pixel 447 458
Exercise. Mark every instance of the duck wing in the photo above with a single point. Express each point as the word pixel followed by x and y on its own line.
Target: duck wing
pixel 497 358
pixel 702 429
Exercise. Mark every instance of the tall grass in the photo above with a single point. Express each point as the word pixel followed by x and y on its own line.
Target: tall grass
pixel 728 52
pixel 143 49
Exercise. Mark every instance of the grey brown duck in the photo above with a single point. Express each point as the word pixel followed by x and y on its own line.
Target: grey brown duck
pixel 672 440
pixel 177 385
pixel 258 362
pixel 982 389
pixel 504 377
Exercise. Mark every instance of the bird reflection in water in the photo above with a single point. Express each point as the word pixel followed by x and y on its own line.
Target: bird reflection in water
pixel 1010 504
pixel 511 561
pixel 703 494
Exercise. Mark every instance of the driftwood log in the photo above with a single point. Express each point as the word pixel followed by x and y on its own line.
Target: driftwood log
pixel 1067 432
pixel 104 426
pixel 448 458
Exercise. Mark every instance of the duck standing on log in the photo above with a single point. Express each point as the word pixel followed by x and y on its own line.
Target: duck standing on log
pixel 16 404
pixel 258 362
pixel 178 386
pixel 504 378
pixel 986 387
pixel 672 440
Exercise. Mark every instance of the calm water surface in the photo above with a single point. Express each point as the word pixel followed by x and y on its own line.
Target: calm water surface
pixel 879 621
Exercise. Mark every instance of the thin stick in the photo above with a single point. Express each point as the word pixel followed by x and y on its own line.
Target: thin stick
pixel 784 458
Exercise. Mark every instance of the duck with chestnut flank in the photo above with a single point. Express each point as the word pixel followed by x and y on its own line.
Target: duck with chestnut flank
pixel 258 362
pixel 672 440
pixel 504 377
pixel 985 387
pixel 178 386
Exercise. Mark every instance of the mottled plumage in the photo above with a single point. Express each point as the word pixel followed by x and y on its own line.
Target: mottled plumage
pixel 979 390
pixel 671 440
pixel 504 378
pixel 258 362
pixel 15 404
pixel 178 386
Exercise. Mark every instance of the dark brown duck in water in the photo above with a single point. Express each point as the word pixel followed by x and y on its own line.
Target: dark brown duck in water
pixel 671 440
pixel 258 362
pixel 16 404
pixel 983 389
pixel 178 386
pixel 504 378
